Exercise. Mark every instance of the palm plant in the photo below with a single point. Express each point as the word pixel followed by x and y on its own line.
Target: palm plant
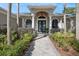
pixel 69 10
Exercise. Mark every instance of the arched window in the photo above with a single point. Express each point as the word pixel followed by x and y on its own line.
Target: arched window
pixel 28 23
pixel 55 23
pixel 41 17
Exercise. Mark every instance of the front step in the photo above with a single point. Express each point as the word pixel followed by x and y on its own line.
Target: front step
pixel 40 35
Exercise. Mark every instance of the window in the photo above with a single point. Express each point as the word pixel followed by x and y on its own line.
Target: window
pixel 28 23
pixel 41 17
pixel 55 23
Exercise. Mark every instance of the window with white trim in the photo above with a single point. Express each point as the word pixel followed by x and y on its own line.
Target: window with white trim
pixel 54 23
pixel 28 23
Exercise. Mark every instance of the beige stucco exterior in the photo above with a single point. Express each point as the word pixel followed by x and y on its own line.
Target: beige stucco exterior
pixel 36 12
pixel 3 19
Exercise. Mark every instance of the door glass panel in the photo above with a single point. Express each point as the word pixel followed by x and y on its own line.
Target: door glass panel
pixel 41 25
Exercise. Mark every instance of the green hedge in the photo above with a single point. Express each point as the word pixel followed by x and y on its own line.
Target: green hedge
pixel 65 40
pixel 18 47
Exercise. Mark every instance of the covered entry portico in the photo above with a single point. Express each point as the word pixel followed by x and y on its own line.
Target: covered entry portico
pixel 42 17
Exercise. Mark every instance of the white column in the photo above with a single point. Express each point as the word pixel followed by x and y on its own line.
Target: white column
pixel 77 21
pixel 64 23
pixel 32 21
pixel 23 23
pixel 50 24
pixel 60 25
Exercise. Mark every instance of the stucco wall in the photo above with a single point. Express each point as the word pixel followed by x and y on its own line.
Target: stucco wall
pixel 20 22
pixel 3 21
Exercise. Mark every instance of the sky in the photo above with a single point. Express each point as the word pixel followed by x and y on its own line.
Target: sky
pixel 24 7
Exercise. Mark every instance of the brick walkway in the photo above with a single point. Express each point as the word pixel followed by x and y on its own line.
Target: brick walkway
pixel 42 46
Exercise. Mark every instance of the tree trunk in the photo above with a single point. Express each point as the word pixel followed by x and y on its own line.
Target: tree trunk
pixel 8 24
pixel 17 20
pixel 18 15
pixel 64 23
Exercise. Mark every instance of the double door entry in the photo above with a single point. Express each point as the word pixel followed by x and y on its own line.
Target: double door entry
pixel 41 25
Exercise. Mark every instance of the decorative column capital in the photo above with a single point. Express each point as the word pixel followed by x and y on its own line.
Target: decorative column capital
pixel 32 14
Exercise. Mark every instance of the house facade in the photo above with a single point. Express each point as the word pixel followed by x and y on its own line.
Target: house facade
pixel 3 20
pixel 41 19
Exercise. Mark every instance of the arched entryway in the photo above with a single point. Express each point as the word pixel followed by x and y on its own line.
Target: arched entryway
pixel 42 21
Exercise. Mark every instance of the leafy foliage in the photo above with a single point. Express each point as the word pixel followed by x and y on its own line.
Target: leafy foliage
pixel 66 40
pixel 3 31
pixel 75 45
pixel 17 48
pixel 2 39
pixel 69 10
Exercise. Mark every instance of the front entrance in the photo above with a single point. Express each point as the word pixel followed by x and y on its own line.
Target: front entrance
pixel 41 25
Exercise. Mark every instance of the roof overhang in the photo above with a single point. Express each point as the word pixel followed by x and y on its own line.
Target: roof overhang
pixel 48 8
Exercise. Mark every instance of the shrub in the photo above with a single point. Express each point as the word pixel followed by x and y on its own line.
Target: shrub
pixel 3 31
pixel 14 36
pixel 63 39
pixel 25 30
pixel 75 45
pixel 3 39
pixel 21 45
pixel 27 37
pixel 6 50
pixel 18 47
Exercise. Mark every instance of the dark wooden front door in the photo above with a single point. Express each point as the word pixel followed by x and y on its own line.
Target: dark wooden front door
pixel 41 25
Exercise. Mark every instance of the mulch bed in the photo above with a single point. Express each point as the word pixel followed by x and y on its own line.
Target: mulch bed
pixel 71 51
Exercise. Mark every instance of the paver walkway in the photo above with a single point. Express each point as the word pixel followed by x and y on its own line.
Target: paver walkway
pixel 42 46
